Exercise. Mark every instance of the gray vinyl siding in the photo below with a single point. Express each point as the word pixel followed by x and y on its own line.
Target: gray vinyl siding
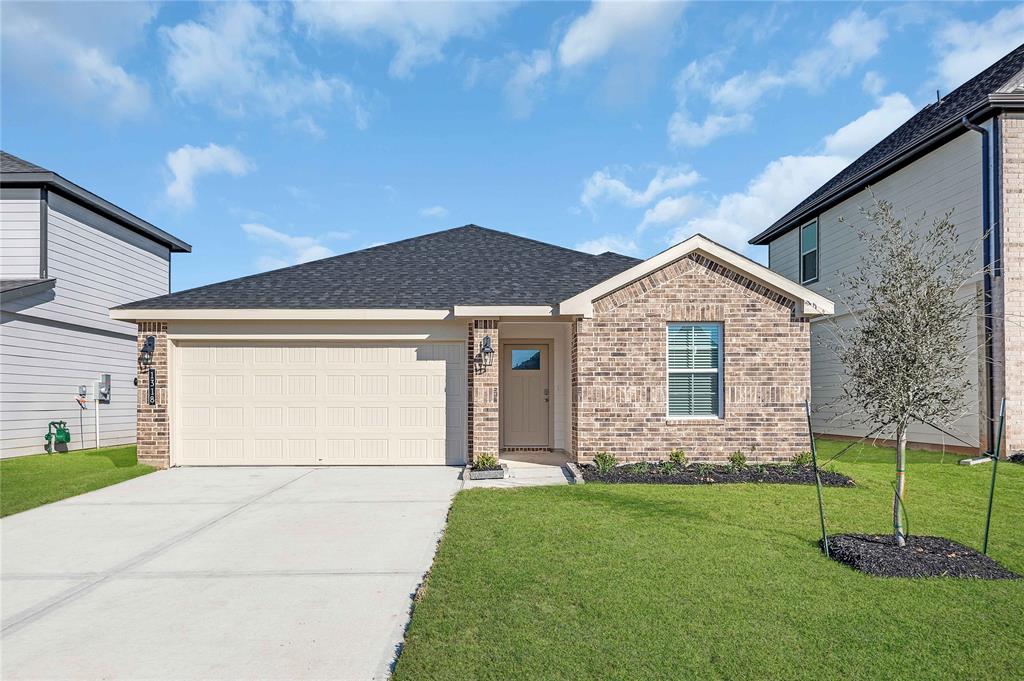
pixel 19 233
pixel 41 367
pixel 784 255
pixel 98 265
pixel 947 178
pixel 52 342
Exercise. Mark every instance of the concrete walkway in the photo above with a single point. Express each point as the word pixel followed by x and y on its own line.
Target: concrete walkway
pixel 528 469
pixel 221 573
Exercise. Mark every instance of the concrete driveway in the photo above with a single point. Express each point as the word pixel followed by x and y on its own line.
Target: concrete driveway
pixel 221 573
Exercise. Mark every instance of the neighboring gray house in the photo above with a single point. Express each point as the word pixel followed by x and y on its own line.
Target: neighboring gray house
pixel 935 162
pixel 66 257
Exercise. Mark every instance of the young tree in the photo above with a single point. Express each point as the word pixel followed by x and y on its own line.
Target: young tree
pixel 906 351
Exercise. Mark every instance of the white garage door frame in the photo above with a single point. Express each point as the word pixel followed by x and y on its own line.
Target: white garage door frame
pixel 175 400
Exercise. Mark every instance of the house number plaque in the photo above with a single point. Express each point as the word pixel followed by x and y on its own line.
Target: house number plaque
pixel 151 392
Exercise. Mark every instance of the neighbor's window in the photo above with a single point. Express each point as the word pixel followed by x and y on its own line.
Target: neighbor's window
pixel 694 370
pixel 809 252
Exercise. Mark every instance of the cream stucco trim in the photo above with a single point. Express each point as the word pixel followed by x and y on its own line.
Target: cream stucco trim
pixel 503 310
pixel 812 304
pixel 275 314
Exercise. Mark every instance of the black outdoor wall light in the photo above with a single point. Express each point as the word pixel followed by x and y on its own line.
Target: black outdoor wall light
pixel 146 355
pixel 486 352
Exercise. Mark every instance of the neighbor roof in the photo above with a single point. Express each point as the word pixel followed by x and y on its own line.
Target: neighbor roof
pixel 17 172
pixel 467 265
pixel 997 86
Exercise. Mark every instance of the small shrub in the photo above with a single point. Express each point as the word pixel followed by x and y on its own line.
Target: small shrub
pixel 486 462
pixel 760 469
pixel 678 457
pixel 801 459
pixel 705 469
pixel 738 460
pixel 641 468
pixel 669 467
pixel 604 462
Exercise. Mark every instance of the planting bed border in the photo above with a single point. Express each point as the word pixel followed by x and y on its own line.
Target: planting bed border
pixel 710 474
pixel 923 556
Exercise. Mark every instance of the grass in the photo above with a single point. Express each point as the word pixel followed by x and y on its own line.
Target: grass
pixel 717 582
pixel 30 481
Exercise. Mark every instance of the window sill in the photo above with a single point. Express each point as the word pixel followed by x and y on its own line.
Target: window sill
pixel 691 419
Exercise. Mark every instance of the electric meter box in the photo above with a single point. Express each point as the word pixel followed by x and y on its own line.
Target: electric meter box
pixel 103 388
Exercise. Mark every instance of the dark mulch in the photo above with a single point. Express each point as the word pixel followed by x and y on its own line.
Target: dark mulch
pixel 1017 458
pixel 694 474
pixel 921 557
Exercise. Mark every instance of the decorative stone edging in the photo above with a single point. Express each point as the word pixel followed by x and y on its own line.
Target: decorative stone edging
pixel 574 472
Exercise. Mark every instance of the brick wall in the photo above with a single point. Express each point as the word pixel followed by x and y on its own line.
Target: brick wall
pixel 1011 324
pixel 620 379
pixel 153 422
pixel 483 417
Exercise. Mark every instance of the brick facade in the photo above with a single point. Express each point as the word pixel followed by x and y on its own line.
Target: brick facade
pixel 484 414
pixel 154 425
pixel 619 368
pixel 1010 325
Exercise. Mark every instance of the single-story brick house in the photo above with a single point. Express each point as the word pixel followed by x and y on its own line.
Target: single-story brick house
pixel 470 341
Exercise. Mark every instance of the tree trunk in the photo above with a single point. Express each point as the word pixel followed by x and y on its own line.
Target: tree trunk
pixel 897 503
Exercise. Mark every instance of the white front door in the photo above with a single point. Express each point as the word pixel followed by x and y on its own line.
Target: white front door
pixel 526 394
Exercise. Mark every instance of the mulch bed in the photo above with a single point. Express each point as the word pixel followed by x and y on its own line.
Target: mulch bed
pixel 694 474
pixel 1017 458
pixel 922 557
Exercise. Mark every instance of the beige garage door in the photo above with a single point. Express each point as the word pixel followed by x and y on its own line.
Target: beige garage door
pixel 319 403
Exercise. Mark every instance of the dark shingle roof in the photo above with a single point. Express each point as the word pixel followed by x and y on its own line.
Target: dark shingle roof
pixel 9 163
pixel 467 265
pixel 17 172
pixel 921 127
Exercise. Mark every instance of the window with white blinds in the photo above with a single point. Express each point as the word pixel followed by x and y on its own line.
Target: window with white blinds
pixel 694 370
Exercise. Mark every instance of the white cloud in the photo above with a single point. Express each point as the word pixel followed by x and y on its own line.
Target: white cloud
pixel 522 89
pixel 237 59
pixel 602 186
pixel 873 83
pixel 610 242
pixel 685 132
pixel 72 50
pixel 189 163
pixel 610 25
pixel 788 180
pixel 434 212
pixel 669 211
pixel 746 89
pixel 780 186
pixel 851 41
pixel 297 249
pixel 965 48
pixel 419 30
pixel 856 137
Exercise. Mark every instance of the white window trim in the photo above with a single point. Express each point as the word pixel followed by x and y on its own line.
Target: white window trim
pixel 817 251
pixel 720 371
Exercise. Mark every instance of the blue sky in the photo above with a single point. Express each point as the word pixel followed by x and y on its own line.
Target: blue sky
pixel 269 134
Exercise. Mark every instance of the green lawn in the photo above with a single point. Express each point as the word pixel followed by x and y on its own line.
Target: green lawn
pixel 717 582
pixel 30 481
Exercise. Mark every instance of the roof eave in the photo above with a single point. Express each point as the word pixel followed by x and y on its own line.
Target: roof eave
pixel 71 190
pixel 271 314
pixel 910 152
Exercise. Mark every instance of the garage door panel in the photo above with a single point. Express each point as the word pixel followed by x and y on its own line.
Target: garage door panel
pixel 289 404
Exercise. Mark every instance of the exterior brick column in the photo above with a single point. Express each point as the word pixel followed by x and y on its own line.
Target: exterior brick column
pixel 1009 326
pixel 153 421
pixel 484 417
